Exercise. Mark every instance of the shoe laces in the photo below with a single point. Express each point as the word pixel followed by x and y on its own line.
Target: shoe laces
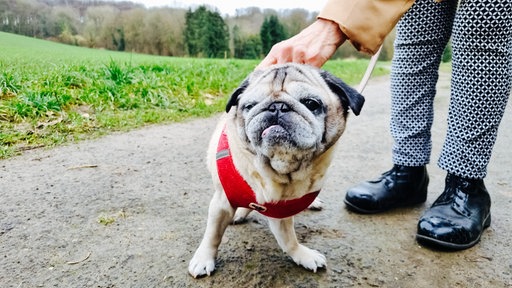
pixel 454 196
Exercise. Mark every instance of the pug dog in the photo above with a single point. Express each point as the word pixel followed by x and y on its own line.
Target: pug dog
pixel 270 153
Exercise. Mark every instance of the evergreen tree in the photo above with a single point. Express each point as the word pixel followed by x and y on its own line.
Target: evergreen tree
pixel 271 32
pixel 237 42
pixel 192 30
pixel 119 41
pixel 206 33
pixel 251 47
pixel 246 47
pixel 217 36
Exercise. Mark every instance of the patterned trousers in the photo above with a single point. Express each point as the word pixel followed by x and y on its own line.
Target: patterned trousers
pixel 481 33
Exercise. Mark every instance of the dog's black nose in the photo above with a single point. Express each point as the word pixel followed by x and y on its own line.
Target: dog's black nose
pixel 279 107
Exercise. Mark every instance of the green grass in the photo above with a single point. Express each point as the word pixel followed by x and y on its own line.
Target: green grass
pixel 52 94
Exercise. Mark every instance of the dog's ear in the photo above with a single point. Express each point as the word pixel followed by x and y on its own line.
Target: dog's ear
pixel 349 96
pixel 233 100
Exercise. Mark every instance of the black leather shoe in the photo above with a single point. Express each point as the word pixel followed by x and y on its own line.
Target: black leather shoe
pixel 401 186
pixel 458 217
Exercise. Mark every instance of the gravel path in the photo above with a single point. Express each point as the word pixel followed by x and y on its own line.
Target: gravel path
pixel 128 210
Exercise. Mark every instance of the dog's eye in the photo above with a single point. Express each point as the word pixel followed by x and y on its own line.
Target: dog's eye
pixel 249 106
pixel 311 104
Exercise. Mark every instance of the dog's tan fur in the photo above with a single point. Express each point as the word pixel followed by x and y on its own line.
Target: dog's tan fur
pixel 276 172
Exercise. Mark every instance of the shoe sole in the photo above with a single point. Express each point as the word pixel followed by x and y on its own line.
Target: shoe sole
pixel 354 208
pixel 410 203
pixel 436 243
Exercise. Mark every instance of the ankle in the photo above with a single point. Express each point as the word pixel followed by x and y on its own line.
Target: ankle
pixel 466 185
pixel 410 168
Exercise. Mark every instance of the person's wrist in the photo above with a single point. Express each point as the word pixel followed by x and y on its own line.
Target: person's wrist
pixel 333 29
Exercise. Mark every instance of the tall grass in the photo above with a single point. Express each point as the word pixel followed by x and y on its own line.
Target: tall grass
pixel 52 93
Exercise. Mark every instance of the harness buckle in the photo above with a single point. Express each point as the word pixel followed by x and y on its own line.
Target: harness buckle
pixel 257 207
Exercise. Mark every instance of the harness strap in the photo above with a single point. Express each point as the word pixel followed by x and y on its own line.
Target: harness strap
pixel 240 194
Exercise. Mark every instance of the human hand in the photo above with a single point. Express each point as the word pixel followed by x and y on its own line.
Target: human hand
pixel 314 45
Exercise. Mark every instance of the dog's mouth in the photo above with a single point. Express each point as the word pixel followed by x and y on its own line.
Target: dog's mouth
pixel 289 132
pixel 273 130
pixel 276 134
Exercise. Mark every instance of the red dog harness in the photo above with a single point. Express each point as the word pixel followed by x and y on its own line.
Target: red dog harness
pixel 240 194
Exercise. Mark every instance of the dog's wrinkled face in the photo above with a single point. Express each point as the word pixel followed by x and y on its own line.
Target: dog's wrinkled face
pixel 289 114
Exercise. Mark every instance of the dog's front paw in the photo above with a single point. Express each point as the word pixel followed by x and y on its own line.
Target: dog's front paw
pixel 201 265
pixel 308 258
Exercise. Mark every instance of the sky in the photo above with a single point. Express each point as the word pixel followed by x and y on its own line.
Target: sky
pixel 230 6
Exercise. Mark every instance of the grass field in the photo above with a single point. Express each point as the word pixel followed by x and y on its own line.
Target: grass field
pixel 52 93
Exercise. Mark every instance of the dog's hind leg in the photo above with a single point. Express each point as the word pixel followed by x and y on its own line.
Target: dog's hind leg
pixel 241 215
pixel 220 214
pixel 317 205
pixel 284 232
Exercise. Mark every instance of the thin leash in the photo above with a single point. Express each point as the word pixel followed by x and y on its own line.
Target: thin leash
pixel 369 70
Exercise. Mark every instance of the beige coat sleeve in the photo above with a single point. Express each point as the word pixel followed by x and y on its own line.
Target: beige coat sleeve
pixel 365 22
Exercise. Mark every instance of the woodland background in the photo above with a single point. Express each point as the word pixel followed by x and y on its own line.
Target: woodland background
pixel 196 32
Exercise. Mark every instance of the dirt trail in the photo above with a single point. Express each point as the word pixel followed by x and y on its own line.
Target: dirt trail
pixel 128 210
